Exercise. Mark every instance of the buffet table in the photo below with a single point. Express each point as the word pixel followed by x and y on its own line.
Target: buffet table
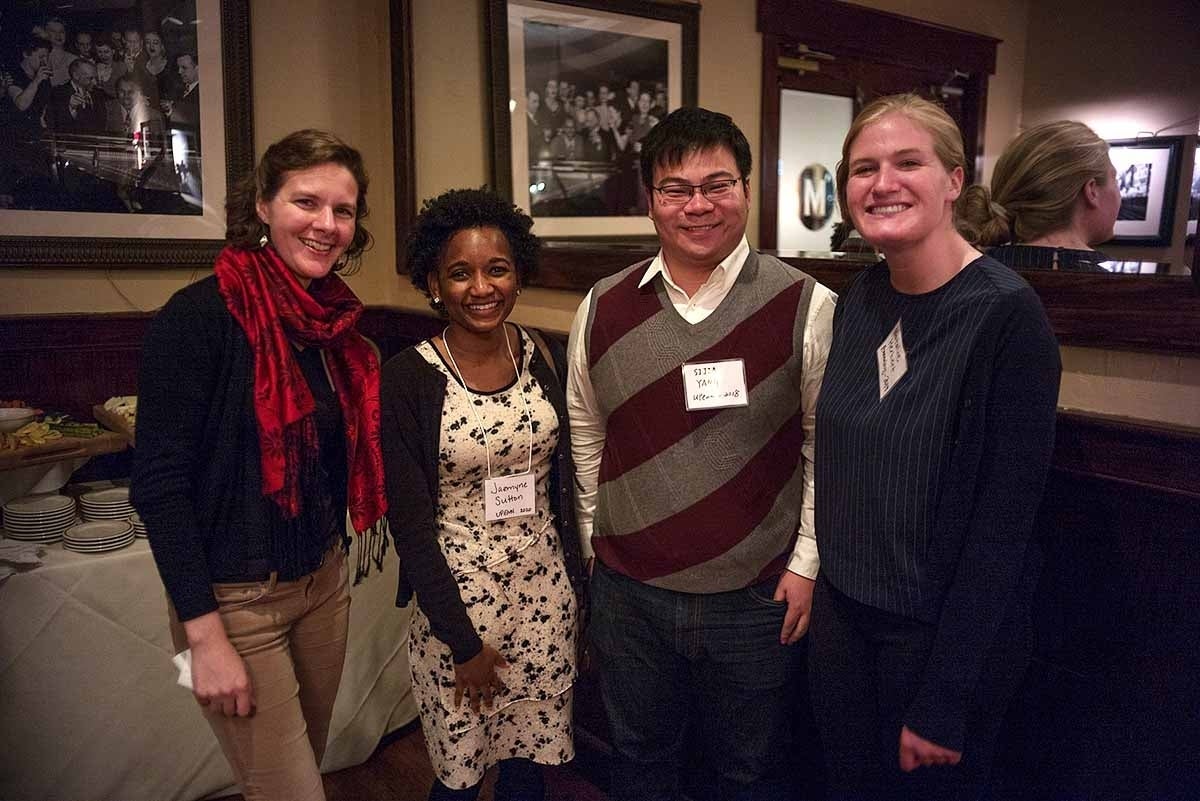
pixel 91 707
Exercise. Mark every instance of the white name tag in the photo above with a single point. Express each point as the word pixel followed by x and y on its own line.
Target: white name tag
pixel 509 496
pixel 715 385
pixel 893 363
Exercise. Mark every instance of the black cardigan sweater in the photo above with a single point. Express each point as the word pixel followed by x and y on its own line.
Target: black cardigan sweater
pixel 413 393
pixel 197 473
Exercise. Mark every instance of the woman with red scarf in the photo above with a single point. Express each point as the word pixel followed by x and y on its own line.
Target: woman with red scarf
pixel 258 429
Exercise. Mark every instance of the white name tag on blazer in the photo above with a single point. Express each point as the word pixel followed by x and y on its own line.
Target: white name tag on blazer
pixel 893 363
pixel 715 385
pixel 509 496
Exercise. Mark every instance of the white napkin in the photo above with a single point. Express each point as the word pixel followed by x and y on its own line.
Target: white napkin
pixel 21 553
pixel 13 554
pixel 183 661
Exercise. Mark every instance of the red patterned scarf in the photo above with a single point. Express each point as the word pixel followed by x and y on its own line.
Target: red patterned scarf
pixel 275 311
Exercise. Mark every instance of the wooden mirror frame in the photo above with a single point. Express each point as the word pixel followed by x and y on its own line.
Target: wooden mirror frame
pixel 1125 312
pixel 404 186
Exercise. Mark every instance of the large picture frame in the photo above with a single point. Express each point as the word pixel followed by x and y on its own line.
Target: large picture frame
pixel 628 62
pixel 1194 198
pixel 122 209
pixel 404 178
pixel 1148 177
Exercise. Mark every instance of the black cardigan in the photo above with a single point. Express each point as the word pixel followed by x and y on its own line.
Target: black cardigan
pixel 197 473
pixel 413 393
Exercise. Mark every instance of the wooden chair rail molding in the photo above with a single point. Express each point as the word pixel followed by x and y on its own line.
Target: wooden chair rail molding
pixel 1120 312
pixel 70 362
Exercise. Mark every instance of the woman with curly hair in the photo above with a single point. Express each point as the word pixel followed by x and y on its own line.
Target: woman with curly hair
pixel 258 429
pixel 1053 198
pixel 479 476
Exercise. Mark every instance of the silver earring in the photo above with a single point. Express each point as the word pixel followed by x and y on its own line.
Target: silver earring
pixel 436 299
pixel 262 241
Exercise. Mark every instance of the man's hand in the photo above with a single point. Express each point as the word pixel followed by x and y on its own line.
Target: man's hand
pixel 916 751
pixel 797 591
pixel 477 680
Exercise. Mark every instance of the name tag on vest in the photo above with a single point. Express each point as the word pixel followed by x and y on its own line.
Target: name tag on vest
pixel 509 496
pixel 892 360
pixel 715 385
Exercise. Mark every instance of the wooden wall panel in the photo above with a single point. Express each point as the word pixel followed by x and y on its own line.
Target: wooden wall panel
pixel 1158 313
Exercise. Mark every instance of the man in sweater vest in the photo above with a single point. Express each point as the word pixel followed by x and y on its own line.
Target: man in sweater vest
pixel 692 387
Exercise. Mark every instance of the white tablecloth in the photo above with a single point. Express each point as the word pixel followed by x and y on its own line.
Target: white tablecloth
pixel 90 705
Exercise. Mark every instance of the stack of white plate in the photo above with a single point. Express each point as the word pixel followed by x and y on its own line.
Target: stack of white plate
pixel 96 536
pixel 139 528
pixel 39 518
pixel 106 504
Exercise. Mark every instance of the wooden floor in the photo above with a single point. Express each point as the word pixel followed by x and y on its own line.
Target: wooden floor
pixel 399 770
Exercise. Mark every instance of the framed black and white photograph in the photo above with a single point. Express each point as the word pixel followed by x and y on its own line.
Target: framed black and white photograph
pixel 1194 200
pixel 125 123
pixel 1147 176
pixel 575 87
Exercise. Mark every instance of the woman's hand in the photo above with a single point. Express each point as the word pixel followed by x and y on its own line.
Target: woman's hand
pixel 916 751
pixel 476 678
pixel 219 676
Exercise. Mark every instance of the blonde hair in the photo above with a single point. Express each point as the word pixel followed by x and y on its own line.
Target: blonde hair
pixel 947 139
pixel 1035 184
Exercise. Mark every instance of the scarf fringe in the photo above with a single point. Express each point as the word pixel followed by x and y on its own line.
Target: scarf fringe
pixel 373 546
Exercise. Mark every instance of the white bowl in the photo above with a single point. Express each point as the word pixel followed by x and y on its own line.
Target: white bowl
pixel 14 418
pixel 38 478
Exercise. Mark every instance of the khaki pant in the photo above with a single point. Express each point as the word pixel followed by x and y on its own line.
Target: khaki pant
pixel 292 636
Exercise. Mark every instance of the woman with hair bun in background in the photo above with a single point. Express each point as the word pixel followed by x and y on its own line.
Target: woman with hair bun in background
pixel 1053 198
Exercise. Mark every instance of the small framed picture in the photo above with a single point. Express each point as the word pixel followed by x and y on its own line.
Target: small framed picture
pixel 575 87
pixel 1147 175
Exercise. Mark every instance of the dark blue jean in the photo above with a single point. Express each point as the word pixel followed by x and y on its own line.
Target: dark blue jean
pixel 658 651
pixel 866 666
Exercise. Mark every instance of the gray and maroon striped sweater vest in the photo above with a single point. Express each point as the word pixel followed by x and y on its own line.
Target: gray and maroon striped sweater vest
pixel 703 501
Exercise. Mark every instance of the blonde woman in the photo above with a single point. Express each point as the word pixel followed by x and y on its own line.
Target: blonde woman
pixel 934 431
pixel 1053 199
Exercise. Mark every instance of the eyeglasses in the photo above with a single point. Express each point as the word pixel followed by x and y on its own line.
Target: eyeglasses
pixel 712 190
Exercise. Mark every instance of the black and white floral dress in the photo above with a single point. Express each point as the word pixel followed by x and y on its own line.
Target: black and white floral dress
pixel 512 579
